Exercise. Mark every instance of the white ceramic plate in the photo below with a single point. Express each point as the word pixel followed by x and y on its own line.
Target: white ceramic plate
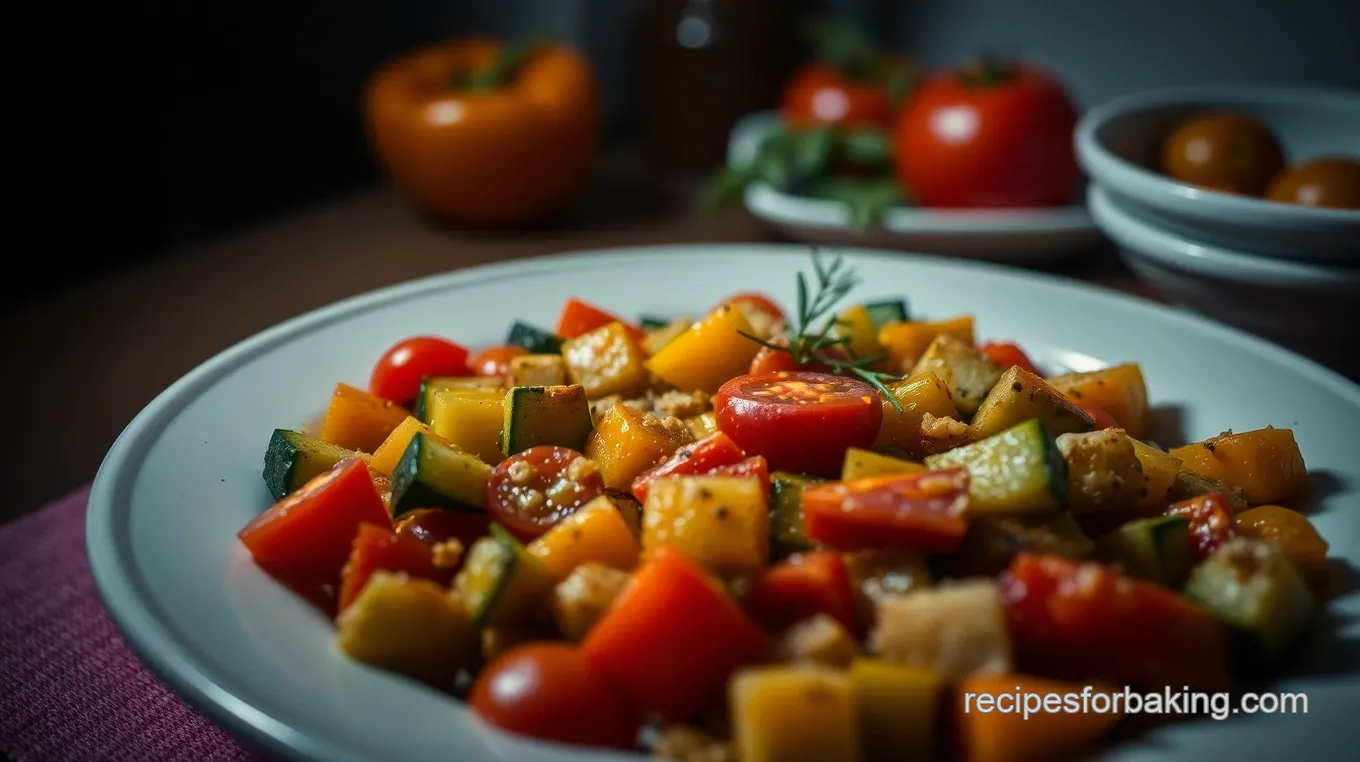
pixel 1015 236
pixel 185 476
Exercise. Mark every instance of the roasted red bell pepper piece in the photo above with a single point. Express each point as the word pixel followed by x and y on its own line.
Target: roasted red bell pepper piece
pixel 713 451
pixel 816 582
pixel 926 511
pixel 1084 621
pixel 1006 354
pixel 305 539
pixel 580 317
pixel 1212 521
pixel 1103 419
pixel 379 549
pixel 672 638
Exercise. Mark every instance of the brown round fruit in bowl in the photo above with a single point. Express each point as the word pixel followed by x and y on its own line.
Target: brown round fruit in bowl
pixel 1332 181
pixel 1223 151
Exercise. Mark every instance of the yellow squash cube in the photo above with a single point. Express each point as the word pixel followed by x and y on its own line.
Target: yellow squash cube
pixel 906 342
pixel 595 533
pixel 793 714
pixel 722 522
pixel 627 442
pixel 606 361
pixel 390 451
pixel 709 353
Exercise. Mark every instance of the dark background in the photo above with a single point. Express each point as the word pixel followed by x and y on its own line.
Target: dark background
pixel 139 126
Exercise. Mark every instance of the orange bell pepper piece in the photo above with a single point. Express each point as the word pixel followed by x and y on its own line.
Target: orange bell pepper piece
pixel 483 133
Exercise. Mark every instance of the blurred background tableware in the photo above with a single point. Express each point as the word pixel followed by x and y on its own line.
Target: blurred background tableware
pixel 1266 169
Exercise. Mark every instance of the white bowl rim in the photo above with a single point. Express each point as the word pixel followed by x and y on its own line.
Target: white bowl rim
pixel 1103 165
pixel 1152 242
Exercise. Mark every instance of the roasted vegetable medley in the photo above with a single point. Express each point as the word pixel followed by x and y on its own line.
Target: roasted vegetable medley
pixel 759 536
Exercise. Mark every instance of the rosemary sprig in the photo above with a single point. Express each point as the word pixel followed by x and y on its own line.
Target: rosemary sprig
pixel 808 341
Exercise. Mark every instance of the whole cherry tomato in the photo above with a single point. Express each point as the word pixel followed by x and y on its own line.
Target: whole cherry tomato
pixel 771 360
pixel 820 93
pixel 799 421
pixel 1328 182
pixel 548 691
pixel 1224 151
pixel 399 371
pixel 533 490
pixel 988 136
pixel 495 362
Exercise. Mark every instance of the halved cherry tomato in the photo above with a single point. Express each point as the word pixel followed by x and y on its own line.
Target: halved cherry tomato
pixel 816 582
pixel 532 491
pixel 380 549
pixel 672 638
pixel 1102 419
pixel 926 511
pixel 435 525
pixel 399 371
pixel 1211 521
pixel 495 362
pixel 1006 354
pixel 715 450
pixel 548 691
pixel 580 317
pixel 771 360
pixel 756 300
pixel 305 539
pixel 1083 621
pixel 799 421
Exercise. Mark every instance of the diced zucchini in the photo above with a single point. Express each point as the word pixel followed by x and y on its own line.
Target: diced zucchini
pixel 581 600
pixel 293 458
pixel 471 419
pixel 897 709
pixel 1018 470
pixel 958 628
pixel 787 532
pixel 887 311
pixel 545 415
pixel 627 442
pixel 538 370
pixel 1019 396
pixel 594 533
pixel 721 522
pixel 502 583
pixel 652 322
pixel 1252 585
pixel 606 361
pixel 434 474
pixel 409 626
pixel 967 373
pixel 780 714
pixel 658 338
pixel 1156 548
pixel 424 407
pixel 1103 471
pixel 534 340
pixel 862 464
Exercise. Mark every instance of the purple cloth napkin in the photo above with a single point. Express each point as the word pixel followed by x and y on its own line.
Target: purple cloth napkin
pixel 70 689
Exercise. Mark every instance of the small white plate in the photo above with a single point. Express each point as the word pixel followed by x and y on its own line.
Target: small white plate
pixel 185 477
pixel 1002 235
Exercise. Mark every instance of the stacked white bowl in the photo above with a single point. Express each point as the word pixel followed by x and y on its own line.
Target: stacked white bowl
pixel 1289 272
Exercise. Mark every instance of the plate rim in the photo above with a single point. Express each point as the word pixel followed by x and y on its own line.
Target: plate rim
pixel 151 634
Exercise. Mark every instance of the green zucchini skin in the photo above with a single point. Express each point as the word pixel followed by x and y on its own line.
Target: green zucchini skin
pixel 1255 589
pixel 1016 471
pixel 501 580
pixel 545 415
pixel 652 322
pixel 432 474
pixel 293 458
pixel 787 532
pixel 1157 549
pixel 887 311
pixel 434 384
pixel 533 339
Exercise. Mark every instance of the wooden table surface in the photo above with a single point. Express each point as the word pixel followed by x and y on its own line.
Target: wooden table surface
pixel 125 336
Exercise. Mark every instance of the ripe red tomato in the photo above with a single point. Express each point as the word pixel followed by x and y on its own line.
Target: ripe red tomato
pixel 818 93
pixel 532 491
pixel 799 421
pixel 757 300
pixel 988 137
pixel 771 360
pixel 495 362
pixel 399 371
pixel 547 691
